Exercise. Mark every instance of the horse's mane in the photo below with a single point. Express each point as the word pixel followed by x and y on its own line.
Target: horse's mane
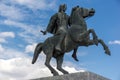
pixel 73 9
pixel 72 12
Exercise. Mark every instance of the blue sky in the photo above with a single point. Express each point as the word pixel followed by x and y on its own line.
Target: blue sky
pixel 21 21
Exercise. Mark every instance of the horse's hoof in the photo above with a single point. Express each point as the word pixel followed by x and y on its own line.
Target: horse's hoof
pixel 75 57
pixel 55 74
pixel 108 52
pixel 66 73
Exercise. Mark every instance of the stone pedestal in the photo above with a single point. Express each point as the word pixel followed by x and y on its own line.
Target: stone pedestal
pixel 76 76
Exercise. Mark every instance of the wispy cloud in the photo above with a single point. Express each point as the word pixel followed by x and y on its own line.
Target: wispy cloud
pixel 11 12
pixel 23 9
pixel 5 35
pixel 1 48
pixel 36 4
pixel 28 32
pixel 115 42
pixel 30 48
pixel 8 53
pixel 14 13
pixel 33 4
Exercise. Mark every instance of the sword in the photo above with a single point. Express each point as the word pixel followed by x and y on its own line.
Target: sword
pixel 44 32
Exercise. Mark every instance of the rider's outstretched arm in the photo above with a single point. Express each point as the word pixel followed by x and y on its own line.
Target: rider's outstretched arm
pixel 51 27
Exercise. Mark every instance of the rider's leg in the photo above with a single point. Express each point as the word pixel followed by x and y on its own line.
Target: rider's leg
pixel 60 41
pixel 74 54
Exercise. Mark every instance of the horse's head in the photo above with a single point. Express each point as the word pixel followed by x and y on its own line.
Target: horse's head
pixel 83 12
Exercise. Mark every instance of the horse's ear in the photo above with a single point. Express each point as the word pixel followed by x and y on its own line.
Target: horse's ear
pixel 73 9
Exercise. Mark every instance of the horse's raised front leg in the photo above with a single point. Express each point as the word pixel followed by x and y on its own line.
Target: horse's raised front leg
pixel 59 60
pixel 86 34
pixel 47 63
pixel 96 41
pixel 91 42
pixel 95 38
pixel 107 51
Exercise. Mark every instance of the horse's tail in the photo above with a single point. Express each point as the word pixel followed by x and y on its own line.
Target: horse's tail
pixel 37 51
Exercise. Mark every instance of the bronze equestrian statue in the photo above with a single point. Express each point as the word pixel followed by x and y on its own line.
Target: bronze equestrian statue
pixel 58 25
pixel 77 35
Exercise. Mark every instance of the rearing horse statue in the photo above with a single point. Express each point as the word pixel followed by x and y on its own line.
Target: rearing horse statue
pixel 77 35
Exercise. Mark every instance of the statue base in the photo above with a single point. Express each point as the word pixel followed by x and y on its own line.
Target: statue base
pixel 76 76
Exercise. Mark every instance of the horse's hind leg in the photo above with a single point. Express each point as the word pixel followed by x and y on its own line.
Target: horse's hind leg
pixel 47 63
pixel 59 64
pixel 107 51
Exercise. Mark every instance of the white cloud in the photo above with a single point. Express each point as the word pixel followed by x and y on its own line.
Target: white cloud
pixel 1 48
pixel 36 4
pixel 30 48
pixel 72 69
pixel 18 68
pixel 33 4
pixel 16 24
pixel 21 68
pixel 16 65
pixel 29 32
pixel 7 34
pixel 2 40
pixel 4 35
pixel 114 42
pixel 16 9
pixel 8 53
pixel 11 12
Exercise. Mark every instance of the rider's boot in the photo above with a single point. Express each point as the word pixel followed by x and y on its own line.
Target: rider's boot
pixel 74 54
pixel 75 57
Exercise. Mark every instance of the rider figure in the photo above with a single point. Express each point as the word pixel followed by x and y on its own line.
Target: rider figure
pixel 58 25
